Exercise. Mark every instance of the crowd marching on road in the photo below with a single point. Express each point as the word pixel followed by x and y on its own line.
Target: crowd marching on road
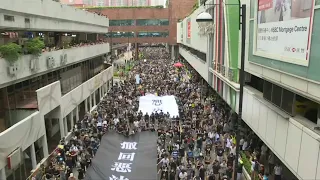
pixel 199 144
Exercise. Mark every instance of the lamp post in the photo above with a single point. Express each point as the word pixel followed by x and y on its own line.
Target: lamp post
pixel 203 19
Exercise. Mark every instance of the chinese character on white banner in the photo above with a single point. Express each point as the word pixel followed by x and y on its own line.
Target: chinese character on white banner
pixel 121 167
pixel 117 178
pixel 129 145
pixel 126 156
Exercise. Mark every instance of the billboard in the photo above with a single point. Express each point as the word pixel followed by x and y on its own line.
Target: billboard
pixel 283 29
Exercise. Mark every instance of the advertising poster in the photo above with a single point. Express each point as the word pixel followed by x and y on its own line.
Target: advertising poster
pixel 283 30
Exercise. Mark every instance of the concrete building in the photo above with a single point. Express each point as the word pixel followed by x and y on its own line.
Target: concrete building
pixel 43 93
pixel 146 25
pixel 282 92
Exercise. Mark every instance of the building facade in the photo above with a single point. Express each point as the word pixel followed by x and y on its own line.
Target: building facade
pixel 43 93
pixel 282 92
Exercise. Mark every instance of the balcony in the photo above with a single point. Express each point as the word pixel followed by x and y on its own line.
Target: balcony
pixel 218 68
pixel 28 65
pixel 223 70
pixel 231 74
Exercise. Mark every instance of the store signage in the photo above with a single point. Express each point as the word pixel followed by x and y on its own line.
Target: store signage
pixel 283 30
pixel 189 29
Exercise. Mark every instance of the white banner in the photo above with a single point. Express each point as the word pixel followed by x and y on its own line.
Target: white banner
pixel 151 103
pixel 283 30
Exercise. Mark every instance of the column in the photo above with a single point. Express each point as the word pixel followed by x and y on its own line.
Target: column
pixel 103 90
pixel 90 99
pixel 71 119
pixel 94 98
pixel 61 124
pixel 33 156
pixel 45 146
pixel 77 113
pixel 3 173
pixel 100 94
pixel 65 126
pixel 86 105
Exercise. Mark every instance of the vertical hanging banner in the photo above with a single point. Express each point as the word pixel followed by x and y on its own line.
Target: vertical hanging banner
pixel 283 30
pixel 189 29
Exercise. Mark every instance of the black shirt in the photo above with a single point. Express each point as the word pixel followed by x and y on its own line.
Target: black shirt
pixel 220 152
pixel 215 169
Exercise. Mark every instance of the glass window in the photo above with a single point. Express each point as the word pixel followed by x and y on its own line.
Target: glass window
pixel 153 34
pixel 152 22
pixel 198 54
pixel 120 34
pixel 287 101
pixel 276 95
pixel 267 90
pixel 124 22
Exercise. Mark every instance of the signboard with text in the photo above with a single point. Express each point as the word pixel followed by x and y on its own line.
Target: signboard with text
pixel 283 30
pixel 189 29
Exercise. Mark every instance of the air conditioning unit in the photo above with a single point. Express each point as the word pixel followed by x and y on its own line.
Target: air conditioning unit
pixel 13 69
pixel 50 62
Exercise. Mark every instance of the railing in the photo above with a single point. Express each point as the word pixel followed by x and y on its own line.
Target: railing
pixel 232 74
pixel 223 70
pixel 218 67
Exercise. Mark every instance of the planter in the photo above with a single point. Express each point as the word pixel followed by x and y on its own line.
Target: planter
pixel 246 175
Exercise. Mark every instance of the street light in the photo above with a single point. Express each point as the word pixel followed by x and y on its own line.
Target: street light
pixel 203 19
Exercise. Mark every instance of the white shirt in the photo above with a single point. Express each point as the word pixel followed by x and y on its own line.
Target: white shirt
pixel 183 175
pixel 211 135
pixel 99 124
pixel 116 120
pixel 241 142
pixel 278 170
pixel 233 150
pixel 136 123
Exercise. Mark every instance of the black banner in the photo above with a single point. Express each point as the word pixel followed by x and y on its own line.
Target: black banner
pixel 125 158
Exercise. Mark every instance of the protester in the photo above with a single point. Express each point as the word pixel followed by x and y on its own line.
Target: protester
pixel 197 144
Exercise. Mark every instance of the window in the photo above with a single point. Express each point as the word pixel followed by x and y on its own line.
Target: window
pixel 267 90
pixel 152 22
pixel 26 20
pixel 125 22
pixel 276 95
pixel 8 18
pixel 198 54
pixel 255 82
pixel 287 101
pixel 306 108
pixel 153 34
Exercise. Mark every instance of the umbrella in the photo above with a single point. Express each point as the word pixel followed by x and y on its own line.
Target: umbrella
pixel 178 64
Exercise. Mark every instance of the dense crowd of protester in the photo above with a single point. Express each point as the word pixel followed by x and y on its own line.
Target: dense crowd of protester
pixel 199 144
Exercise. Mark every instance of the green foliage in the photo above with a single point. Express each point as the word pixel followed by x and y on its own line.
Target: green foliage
pixel 34 46
pixel 10 52
pixel 195 7
pixel 121 7
pixel 246 162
